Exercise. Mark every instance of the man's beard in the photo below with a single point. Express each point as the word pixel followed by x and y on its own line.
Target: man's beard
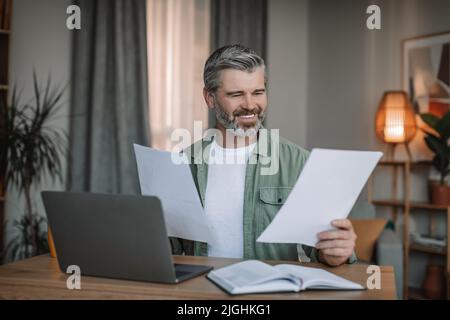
pixel 233 123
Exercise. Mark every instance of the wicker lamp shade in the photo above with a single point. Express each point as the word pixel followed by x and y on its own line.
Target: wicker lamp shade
pixel 395 121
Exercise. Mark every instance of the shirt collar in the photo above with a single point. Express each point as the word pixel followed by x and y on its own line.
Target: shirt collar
pixel 196 149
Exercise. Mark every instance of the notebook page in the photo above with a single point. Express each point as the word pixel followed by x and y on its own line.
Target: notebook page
pixel 246 273
pixel 318 278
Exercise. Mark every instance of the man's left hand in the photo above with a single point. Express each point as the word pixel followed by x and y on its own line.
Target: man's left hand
pixel 336 246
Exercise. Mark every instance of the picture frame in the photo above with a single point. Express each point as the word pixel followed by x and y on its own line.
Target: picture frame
pixel 427 87
pixel 426 72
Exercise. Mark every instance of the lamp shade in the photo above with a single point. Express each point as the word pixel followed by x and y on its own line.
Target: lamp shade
pixel 395 121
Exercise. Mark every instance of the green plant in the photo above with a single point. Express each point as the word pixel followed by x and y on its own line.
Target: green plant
pixel 437 140
pixel 30 152
pixel 21 246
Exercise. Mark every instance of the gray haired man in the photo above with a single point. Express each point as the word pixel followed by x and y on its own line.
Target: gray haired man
pixel 239 201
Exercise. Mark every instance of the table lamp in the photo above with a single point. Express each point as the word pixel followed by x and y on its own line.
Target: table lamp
pixel 395 121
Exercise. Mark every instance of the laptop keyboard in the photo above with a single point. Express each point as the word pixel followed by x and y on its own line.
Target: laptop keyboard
pixel 179 273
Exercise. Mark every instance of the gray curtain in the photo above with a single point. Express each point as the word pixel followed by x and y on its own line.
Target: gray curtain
pixel 109 96
pixel 238 21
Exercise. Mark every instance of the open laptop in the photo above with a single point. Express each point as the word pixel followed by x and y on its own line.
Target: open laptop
pixel 114 236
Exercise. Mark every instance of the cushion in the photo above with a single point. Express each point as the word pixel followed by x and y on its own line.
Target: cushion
pixel 368 232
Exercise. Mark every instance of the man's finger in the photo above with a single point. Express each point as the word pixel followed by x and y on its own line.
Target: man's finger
pixel 334 235
pixel 342 223
pixel 336 252
pixel 334 244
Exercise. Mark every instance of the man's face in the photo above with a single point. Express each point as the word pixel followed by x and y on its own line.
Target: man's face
pixel 240 101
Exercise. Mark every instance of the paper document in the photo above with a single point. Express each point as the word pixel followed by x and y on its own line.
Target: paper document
pixel 326 189
pixel 173 184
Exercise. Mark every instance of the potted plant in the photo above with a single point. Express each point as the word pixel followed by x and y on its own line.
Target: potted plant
pixel 436 138
pixel 30 152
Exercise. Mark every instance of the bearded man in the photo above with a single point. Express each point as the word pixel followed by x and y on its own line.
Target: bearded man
pixel 240 201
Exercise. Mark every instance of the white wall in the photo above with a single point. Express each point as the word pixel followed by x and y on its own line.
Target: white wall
pixel 287 61
pixel 39 40
pixel 350 66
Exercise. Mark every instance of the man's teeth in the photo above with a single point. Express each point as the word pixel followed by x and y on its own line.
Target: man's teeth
pixel 247 116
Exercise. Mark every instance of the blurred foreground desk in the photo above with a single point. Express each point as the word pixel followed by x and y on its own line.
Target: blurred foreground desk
pixel 40 278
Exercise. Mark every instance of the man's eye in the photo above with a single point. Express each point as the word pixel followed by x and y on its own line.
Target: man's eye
pixel 259 93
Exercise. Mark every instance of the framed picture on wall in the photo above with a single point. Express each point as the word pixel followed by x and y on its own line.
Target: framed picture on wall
pixel 426 79
pixel 426 72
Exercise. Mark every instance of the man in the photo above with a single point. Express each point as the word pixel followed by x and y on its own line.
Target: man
pixel 239 201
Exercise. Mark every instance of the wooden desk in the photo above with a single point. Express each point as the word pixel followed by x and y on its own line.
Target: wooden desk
pixel 40 278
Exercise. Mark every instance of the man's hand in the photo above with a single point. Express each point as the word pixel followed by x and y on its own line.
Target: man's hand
pixel 336 246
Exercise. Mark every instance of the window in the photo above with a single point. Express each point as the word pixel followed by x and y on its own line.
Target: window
pixel 178 33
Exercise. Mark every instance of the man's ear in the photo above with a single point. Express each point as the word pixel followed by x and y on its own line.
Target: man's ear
pixel 209 98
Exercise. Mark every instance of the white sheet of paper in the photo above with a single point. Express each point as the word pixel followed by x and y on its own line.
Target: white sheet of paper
pixel 326 189
pixel 174 186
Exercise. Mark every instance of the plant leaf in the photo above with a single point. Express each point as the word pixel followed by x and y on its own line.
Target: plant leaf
pixel 443 126
pixel 437 145
pixel 430 119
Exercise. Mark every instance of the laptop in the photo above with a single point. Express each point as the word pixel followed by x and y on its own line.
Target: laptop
pixel 114 236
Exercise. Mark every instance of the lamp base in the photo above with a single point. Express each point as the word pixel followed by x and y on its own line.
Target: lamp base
pixel 390 151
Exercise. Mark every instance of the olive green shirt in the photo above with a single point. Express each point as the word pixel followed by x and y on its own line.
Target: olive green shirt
pixel 263 196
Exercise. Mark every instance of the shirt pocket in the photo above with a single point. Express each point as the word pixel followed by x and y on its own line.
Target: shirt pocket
pixel 270 201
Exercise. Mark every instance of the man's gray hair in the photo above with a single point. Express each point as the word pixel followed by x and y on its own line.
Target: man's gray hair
pixel 235 57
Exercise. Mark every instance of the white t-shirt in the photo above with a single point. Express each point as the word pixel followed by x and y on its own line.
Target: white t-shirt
pixel 224 199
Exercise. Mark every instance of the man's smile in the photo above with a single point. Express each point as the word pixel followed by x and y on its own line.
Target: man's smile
pixel 247 117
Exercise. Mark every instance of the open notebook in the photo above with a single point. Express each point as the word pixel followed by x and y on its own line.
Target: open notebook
pixel 254 276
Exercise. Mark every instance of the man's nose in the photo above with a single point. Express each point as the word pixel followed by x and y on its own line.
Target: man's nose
pixel 248 102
